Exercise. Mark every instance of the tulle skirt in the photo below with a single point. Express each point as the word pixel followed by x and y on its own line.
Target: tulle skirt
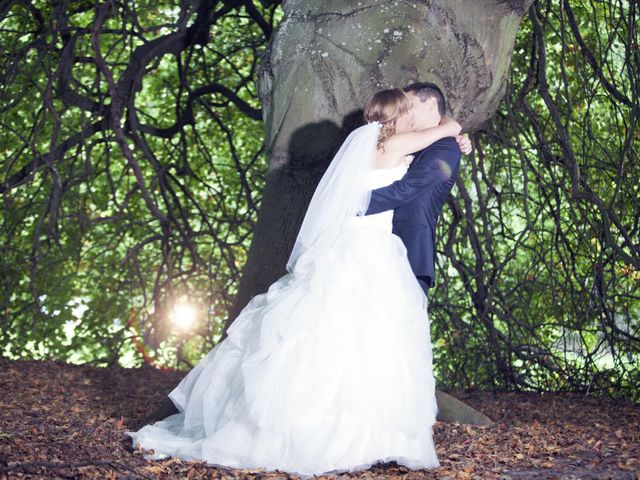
pixel 328 371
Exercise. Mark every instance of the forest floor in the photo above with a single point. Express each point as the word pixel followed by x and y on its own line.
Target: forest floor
pixel 67 421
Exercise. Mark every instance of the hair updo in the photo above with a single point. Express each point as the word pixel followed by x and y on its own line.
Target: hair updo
pixel 385 107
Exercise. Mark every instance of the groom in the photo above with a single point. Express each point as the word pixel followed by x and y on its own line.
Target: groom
pixel 418 197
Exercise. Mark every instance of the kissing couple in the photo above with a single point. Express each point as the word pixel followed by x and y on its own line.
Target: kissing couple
pixel 330 370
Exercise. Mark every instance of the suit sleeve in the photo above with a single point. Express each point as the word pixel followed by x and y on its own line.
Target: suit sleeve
pixel 433 169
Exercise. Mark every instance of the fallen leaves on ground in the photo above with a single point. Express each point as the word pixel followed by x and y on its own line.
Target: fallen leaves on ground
pixel 67 421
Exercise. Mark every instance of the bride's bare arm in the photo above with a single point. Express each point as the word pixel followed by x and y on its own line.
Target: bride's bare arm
pixel 402 144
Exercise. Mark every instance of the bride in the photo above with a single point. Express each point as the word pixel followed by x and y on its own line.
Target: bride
pixel 330 370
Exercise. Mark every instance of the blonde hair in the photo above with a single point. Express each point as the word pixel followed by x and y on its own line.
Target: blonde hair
pixel 385 107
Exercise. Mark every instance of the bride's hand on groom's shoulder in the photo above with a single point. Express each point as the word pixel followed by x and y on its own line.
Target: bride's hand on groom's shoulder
pixel 463 140
pixel 464 143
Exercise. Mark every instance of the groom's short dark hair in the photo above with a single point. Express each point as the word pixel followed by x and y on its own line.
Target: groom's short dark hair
pixel 425 90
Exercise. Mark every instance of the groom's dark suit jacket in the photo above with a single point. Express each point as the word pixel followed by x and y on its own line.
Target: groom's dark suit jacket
pixel 418 198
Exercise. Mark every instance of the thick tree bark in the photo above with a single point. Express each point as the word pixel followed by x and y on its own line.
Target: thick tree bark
pixel 327 58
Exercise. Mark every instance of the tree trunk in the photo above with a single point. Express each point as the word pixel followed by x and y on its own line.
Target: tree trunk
pixel 326 59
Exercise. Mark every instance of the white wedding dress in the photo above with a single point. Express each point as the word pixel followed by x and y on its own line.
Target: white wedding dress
pixel 328 371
